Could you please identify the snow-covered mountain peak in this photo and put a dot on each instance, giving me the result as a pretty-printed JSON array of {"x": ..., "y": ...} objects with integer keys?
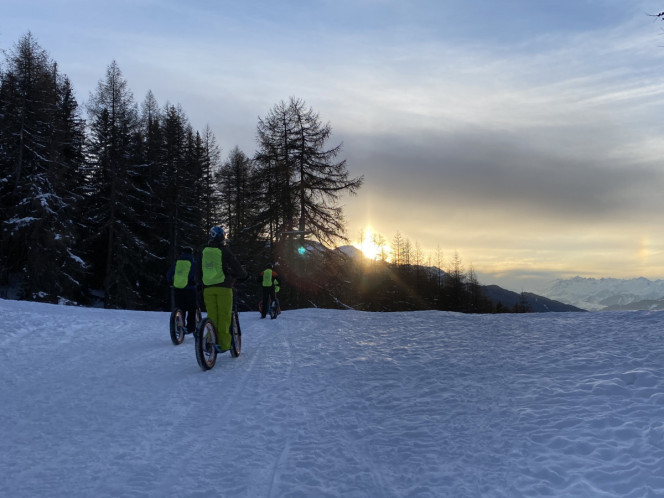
[{"x": 602, "y": 293}]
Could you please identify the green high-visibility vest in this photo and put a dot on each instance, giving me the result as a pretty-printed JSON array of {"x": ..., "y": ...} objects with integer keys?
[
  {"x": 276, "y": 285},
  {"x": 267, "y": 278},
  {"x": 181, "y": 275},
  {"x": 213, "y": 272}
]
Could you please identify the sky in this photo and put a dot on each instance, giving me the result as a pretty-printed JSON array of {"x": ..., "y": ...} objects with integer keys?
[
  {"x": 524, "y": 136},
  {"x": 332, "y": 403}
]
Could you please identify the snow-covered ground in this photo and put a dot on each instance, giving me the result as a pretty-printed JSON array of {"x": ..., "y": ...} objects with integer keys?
[{"x": 98, "y": 403}]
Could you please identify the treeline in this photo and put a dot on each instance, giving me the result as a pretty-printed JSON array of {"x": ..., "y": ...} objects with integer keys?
[
  {"x": 401, "y": 278},
  {"x": 97, "y": 200},
  {"x": 95, "y": 210}
]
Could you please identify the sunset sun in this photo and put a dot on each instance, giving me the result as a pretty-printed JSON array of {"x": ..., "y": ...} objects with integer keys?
[{"x": 368, "y": 245}]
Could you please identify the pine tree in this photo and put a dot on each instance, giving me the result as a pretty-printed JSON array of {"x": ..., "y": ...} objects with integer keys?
[
  {"x": 236, "y": 179},
  {"x": 182, "y": 170},
  {"x": 116, "y": 193},
  {"x": 210, "y": 196},
  {"x": 41, "y": 137}
]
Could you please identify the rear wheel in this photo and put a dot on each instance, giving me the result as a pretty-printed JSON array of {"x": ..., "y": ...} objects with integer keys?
[
  {"x": 236, "y": 336},
  {"x": 205, "y": 339},
  {"x": 178, "y": 329}
]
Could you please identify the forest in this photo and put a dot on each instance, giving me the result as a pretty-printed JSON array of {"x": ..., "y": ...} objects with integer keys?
[{"x": 97, "y": 200}]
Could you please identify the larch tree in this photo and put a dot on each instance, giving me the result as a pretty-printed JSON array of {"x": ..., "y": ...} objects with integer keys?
[{"x": 305, "y": 180}]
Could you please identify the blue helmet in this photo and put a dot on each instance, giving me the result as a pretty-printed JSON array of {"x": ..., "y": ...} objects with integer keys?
[{"x": 217, "y": 232}]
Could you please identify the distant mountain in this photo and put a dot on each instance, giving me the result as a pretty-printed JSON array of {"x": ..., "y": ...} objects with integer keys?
[
  {"x": 606, "y": 293},
  {"x": 350, "y": 252},
  {"x": 532, "y": 302}
]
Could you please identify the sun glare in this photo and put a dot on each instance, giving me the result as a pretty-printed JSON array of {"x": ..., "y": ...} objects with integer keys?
[{"x": 368, "y": 244}]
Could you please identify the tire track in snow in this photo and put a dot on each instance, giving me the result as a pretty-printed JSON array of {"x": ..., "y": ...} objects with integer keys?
[
  {"x": 278, "y": 343},
  {"x": 215, "y": 391}
]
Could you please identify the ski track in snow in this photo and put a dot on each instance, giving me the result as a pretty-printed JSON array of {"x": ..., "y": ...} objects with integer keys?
[{"x": 333, "y": 403}]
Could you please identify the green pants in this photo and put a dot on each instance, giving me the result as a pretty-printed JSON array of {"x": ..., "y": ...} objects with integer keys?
[{"x": 219, "y": 305}]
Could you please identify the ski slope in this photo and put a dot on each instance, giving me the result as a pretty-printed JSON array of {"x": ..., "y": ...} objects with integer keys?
[{"x": 326, "y": 403}]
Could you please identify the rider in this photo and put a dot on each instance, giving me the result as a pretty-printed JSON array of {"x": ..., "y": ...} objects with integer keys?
[
  {"x": 220, "y": 269},
  {"x": 183, "y": 277},
  {"x": 268, "y": 278}
]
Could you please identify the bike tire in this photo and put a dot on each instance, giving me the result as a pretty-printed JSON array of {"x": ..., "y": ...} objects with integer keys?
[
  {"x": 236, "y": 336},
  {"x": 274, "y": 310},
  {"x": 205, "y": 339},
  {"x": 178, "y": 329}
]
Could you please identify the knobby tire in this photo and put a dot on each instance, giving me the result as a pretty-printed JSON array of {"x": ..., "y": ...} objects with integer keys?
[
  {"x": 178, "y": 328},
  {"x": 205, "y": 338},
  {"x": 236, "y": 335}
]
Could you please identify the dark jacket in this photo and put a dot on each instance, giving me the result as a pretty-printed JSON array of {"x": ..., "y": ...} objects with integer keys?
[{"x": 194, "y": 272}]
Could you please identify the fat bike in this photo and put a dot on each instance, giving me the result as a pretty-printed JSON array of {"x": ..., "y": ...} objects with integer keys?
[
  {"x": 205, "y": 339},
  {"x": 178, "y": 326},
  {"x": 274, "y": 309}
]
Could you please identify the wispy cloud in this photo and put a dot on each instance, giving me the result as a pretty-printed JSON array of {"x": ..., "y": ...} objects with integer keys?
[{"x": 507, "y": 130}]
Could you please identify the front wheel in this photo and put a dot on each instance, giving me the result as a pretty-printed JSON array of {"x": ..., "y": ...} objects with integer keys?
[
  {"x": 178, "y": 329},
  {"x": 236, "y": 336},
  {"x": 205, "y": 339}
]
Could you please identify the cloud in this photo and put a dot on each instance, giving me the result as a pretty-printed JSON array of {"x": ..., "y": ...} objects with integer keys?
[{"x": 476, "y": 125}]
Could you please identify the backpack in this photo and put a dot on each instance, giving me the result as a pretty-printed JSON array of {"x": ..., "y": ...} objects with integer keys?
[
  {"x": 181, "y": 275},
  {"x": 267, "y": 278},
  {"x": 213, "y": 271}
]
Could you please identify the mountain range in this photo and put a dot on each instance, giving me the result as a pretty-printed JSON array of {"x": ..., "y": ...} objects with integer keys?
[
  {"x": 607, "y": 294},
  {"x": 576, "y": 294},
  {"x": 529, "y": 301}
]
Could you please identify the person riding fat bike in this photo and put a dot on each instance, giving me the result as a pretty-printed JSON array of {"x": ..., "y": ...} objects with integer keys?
[
  {"x": 220, "y": 269},
  {"x": 183, "y": 278},
  {"x": 268, "y": 278}
]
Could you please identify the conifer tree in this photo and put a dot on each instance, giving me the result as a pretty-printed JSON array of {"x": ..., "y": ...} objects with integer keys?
[
  {"x": 182, "y": 170},
  {"x": 304, "y": 179},
  {"x": 397, "y": 249},
  {"x": 236, "y": 179},
  {"x": 41, "y": 137},
  {"x": 210, "y": 201},
  {"x": 116, "y": 192}
]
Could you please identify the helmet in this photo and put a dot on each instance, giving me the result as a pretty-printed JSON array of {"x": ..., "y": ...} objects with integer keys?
[
  {"x": 269, "y": 266},
  {"x": 217, "y": 232},
  {"x": 187, "y": 250}
]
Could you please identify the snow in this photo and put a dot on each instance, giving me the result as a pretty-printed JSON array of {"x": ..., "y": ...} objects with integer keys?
[
  {"x": 326, "y": 403},
  {"x": 20, "y": 222}
]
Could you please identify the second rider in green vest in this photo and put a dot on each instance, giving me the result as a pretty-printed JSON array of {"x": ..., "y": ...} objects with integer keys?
[
  {"x": 268, "y": 278},
  {"x": 220, "y": 269}
]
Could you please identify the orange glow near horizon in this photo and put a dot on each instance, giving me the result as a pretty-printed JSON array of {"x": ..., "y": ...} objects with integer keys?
[{"x": 370, "y": 245}]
